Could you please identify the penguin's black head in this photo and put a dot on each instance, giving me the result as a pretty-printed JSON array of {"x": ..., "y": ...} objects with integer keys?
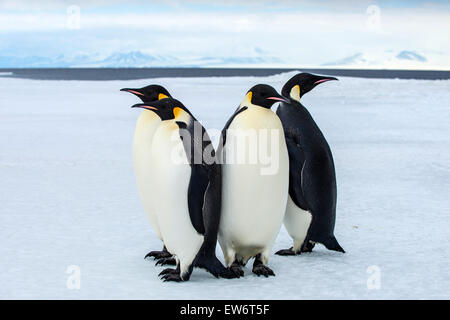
[
  {"x": 167, "y": 109},
  {"x": 302, "y": 83},
  {"x": 149, "y": 93},
  {"x": 264, "y": 95}
]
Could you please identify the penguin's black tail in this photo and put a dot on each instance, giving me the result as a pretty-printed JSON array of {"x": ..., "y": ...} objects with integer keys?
[
  {"x": 332, "y": 244},
  {"x": 213, "y": 266}
]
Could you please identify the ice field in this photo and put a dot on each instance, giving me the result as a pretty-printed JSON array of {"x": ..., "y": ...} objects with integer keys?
[{"x": 68, "y": 194}]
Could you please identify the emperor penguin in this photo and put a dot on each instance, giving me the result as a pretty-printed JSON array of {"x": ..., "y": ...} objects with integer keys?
[
  {"x": 146, "y": 126},
  {"x": 255, "y": 191},
  {"x": 187, "y": 190},
  {"x": 311, "y": 209}
]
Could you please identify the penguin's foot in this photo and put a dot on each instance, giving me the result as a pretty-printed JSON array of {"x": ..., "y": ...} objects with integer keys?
[
  {"x": 286, "y": 252},
  {"x": 166, "y": 261},
  {"x": 158, "y": 254},
  {"x": 211, "y": 264},
  {"x": 229, "y": 274},
  {"x": 308, "y": 247},
  {"x": 262, "y": 270},
  {"x": 175, "y": 277},
  {"x": 168, "y": 271},
  {"x": 240, "y": 262},
  {"x": 236, "y": 269}
]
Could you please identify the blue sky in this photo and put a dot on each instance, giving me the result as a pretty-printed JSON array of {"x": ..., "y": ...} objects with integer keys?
[{"x": 285, "y": 33}]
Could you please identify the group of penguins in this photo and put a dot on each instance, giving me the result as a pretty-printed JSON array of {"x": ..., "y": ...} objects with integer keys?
[{"x": 193, "y": 204}]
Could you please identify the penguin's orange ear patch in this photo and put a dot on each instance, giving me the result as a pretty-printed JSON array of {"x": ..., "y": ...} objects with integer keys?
[
  {"x": 177, "y": 111},
  {"x": 162, "y": 96},
  {"x": 247, "y": 99}
]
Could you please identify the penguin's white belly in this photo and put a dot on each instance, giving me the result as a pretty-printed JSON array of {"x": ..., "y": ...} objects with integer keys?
[
  {"x": 171, "y": 194},
  {"x": 254, "y": 199},
  {"x": 297, "y": 222},
  {"x": 142, "y": 145}
]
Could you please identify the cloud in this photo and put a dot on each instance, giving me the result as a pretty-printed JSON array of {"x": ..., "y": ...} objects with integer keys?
[
  {"x": 255, "y": 5},
  {"x": 392, "y": 21},
  {"x": 291, "y": 31},
  {"x": 43, "y": 5}
]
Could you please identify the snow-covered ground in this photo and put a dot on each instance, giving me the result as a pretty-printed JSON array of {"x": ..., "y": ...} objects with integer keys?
[{"x": 68, "y": 194}]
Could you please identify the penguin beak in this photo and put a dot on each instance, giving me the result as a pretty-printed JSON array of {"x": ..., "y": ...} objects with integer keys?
[
  {"x": 324, "y": 79},
  {"x": 133, "y": 91},
  {"x": 278, "y": 98},
  {"x": 145, "y": 106}
]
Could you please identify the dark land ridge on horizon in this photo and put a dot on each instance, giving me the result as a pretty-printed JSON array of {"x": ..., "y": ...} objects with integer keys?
[{"x": 103, "y": 74}]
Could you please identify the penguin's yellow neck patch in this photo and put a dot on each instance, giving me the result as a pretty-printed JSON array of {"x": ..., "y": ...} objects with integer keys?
[
  {"x": 181, "y": 115},
  {"x": 247, "y": 100},
  {"x": 177, "y": 112},
  {"x": 249, "y": 97},
  {"x": 295, "y": 93},
  {"x": 162, "y": 96}
]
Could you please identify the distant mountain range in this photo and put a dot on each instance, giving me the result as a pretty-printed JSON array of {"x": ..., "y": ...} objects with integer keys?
[
  {"x": 258, "y": 58},
  {"x": 134, "y": 59},
  {"x": 391, "y": 59}
]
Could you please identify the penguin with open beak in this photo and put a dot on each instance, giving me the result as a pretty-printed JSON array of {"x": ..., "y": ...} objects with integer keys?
[
  {"x": 311, "y": 209},
  {"x": 146, "y": 126},
  {"x": 255, "y": 190},
  {"x": 187, "y": 190}
]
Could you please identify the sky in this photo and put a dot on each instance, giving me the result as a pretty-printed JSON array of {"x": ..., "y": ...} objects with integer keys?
[{"x": 267, "y": 33}]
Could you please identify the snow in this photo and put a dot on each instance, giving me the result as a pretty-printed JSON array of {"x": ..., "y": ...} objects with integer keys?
[
  {"x": 68, "y": 194},
  {"x": 393, "y": 59}
]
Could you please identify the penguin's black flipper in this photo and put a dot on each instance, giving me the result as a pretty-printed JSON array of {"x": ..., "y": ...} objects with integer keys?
[
  {"x": 296, "y": 162},
  {"x": 206, "y": 257},
  {"x": 196, "y": 194},
  {"x": 199, "y": 173},
  {"x": 204, "y": 196}
]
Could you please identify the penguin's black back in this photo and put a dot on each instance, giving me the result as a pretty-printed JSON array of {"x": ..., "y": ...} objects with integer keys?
[
  {"x": 204, "y": 197},
  {"x": 312, "y": 177},
  {"x": 205, "y": 185}
]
